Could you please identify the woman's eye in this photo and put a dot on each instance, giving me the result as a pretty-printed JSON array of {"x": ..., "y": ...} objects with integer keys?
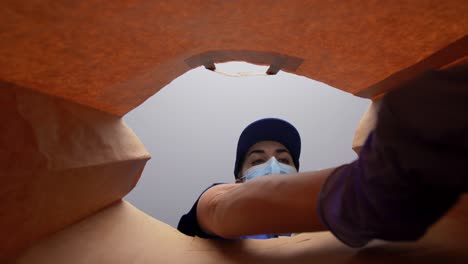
[
  {"x": 257, "y": 162},
  {"x": 285, "y": 161}
]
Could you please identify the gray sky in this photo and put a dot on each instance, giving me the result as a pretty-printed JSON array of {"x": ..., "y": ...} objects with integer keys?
[{"x": 192, "y": 125}]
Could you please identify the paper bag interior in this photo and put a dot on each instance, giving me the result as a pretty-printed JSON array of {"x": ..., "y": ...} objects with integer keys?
[{"x": 71, "y": 69}]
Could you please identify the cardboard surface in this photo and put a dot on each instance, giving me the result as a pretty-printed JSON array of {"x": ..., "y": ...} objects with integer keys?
[
  {"x": 366, "y": 125},
  {"x": 123, "y": 234},
  {"x": 113, "y": 55},
  {"x": 59, "y": 162}
]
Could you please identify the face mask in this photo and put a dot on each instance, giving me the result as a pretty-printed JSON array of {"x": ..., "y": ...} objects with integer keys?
[{"x": 272, "y": 166}]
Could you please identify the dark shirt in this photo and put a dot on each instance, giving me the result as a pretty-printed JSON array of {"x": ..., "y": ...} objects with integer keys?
[
  {"x": 188, "y": 223},
  {"x": 412, "y": 168}
]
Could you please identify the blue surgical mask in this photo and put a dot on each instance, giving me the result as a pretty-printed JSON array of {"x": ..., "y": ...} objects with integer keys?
[{"x": 272, "y": 166}]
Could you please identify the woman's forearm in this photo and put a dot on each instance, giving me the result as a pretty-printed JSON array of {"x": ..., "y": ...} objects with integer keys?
[{"x": 272, "y": 204}]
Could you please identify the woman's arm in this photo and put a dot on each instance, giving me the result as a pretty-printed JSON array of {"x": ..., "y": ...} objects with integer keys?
[{"x": 270, "y": 204}]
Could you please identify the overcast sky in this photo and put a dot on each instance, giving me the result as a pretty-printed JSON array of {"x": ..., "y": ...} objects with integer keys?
[{"x": 192, "y": 125}]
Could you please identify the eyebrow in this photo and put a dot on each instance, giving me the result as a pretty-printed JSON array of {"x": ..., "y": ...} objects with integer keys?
[{"x": 259, "y": 151}]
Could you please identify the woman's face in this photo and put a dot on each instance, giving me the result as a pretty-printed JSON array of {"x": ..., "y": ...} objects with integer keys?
[{"x": 262, "y": 151}]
